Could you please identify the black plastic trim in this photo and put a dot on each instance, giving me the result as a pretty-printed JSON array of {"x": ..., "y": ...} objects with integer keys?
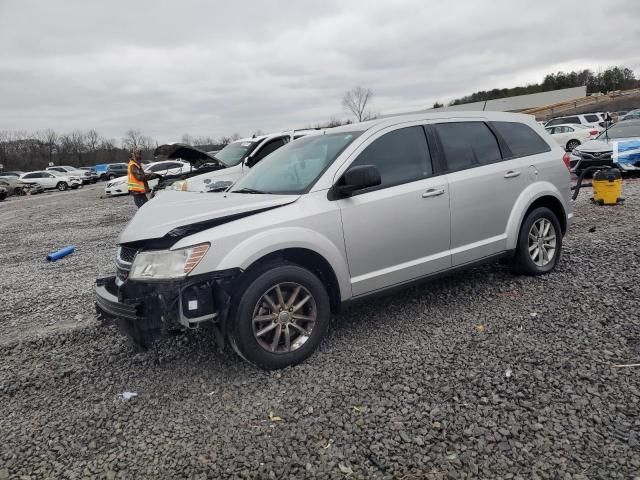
[
  {"x": 109, "y": 303},
  {"x": 426, "y": 278}
]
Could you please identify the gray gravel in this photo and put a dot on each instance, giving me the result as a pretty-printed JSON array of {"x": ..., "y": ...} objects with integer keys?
[{"x": 480, "y": 375}]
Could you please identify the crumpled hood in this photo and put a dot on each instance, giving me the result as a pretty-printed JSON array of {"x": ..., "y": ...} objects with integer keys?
[{"x": 172, "y": 210}]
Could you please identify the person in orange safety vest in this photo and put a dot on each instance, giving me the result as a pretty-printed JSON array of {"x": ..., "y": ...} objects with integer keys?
[{"x": 138, "y": 179}]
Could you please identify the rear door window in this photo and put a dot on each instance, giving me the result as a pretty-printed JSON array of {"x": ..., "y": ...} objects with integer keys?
[
  {"x": 591, "y": 118},
  {"x": 401, "y": 156},
  {"x": 521, "y": 139},
  {"x": 467, "y": 144},
  {"x": 160, "y": 167}
]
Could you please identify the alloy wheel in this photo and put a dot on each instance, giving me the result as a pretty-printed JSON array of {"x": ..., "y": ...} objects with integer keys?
[
  {"x": 284, "y": 317},
  {"x": 542, "y": 242}
]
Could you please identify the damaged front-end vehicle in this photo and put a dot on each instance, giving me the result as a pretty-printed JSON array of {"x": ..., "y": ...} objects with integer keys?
[
  {"x": 201, "y": 162},
  {"x": 151, "y": 294},
  {"x": 160, "y": 285}
]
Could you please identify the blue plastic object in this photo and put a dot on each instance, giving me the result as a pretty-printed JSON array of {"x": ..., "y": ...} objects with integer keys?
[{"x": 63, "y": 252}]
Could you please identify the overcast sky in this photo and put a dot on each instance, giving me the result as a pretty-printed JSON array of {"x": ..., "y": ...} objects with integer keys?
[{"x": 217, "y": 67}]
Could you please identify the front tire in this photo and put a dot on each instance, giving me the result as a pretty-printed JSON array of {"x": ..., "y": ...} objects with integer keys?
[
  {"x": 62, "y": 186},
  {"x": 539, "y": 243},
  {"x": 280, "y": 316}
]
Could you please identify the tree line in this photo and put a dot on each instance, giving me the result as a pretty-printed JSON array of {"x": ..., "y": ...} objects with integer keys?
[
  {"x": 613, "y": 78},
  {"x": 33, "y": 151}
]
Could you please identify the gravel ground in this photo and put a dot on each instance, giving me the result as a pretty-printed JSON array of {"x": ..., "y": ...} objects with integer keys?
[{"x": 480, "y": 375}]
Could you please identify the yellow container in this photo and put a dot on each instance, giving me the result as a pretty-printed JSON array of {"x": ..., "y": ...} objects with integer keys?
[{"x": 607, "y": 186}]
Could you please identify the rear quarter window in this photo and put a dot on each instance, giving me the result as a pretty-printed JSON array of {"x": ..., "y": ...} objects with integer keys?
[
  {"x": 561, "y": 120},
  {"x": 521, "y": 139}
]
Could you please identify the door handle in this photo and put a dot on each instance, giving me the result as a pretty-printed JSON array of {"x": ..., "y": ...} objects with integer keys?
[
  {"x": 511, "y": 174},
  {"x": 433, "y": 192}
]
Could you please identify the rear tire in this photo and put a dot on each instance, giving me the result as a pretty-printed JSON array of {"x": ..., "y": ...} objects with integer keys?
[
  {"x": 571, "y": 144},
  {"x": 62, "y": 186},
  {"x": 111, "y": 177},
  {"x": 293, "y": 326},
  {"x": 539, "y": 243}
]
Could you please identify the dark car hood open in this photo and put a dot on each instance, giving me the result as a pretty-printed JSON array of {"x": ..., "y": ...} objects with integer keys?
[
  {"x": 174, "y": 215},
  {"x": 193, "y": 155}
]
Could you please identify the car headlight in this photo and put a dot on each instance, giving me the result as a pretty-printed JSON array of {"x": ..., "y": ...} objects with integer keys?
[
  {"x": 167, "y": 264},
  {"x": 179, "y": 185}
]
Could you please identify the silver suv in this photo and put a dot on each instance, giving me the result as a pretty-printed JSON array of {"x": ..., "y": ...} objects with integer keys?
[{"x": 336, "y": 217}]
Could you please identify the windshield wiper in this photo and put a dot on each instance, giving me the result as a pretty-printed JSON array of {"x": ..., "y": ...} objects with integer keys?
[
  {"x": 249, "y": 190},
  {"x": 220, "y": 188}
]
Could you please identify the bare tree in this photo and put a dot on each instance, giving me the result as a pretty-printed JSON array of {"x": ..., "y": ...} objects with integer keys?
[
  {"x": 131, "y": 140},
  {"x": 146, "y": 144},
  {"x": 187, "y": 139},
  {"x": 356, "y": 100}
]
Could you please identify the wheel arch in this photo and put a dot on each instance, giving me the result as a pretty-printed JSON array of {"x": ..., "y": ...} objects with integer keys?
[
  {"x": 310, "y": 260},
  {"x": 566, "y": 145},
  {"x": 535, "y": 196},
  {"x": 304, "y": 247}
]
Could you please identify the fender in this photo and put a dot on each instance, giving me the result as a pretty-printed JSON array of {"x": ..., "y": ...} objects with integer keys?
[
  {"x": 261, "y": 244},
  {"x": 527, "y": 197}
]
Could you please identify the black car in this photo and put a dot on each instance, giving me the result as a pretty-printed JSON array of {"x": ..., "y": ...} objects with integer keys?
[{"x": 114, "y": 170}]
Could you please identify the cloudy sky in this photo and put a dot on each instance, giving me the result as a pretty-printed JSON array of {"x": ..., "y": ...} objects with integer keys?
[{"x": 216, "y": 67}]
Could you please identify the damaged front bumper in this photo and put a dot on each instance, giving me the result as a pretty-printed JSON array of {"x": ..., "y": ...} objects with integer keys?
[{"x": 145, "y": 310}]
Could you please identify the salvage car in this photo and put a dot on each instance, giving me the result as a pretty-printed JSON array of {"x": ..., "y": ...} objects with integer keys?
[
  {"x": 570, "y": 136},
  {"x": 76, "y": 172},
  {"x": 15, "y": 186},
  {"x": 52, "y": 179},
  {"x": 599, "y": 151},
  {"x": 592, "y": 120},
  {"x": 111, "y": 171},
  {"x": 119, "y": 186},
  {"x": 93, "y": 176},
  {"x": 200, "y": 162},
  {"x": 236, "y": 159},
  {"x": 317, "y": 224}
]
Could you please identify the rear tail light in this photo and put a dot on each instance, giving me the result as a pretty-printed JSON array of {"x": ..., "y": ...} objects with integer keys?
[
  {"x": 593, "y": 132},
  {"x": 566, "y": 158}
]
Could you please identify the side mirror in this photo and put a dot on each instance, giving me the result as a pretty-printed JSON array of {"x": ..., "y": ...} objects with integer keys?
[{"x": 358, "y": 178}]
